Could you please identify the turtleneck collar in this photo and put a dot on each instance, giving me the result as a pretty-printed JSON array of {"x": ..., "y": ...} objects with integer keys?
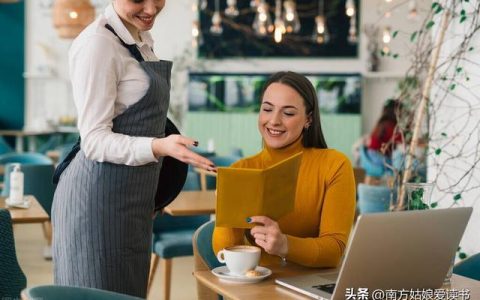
[{"x": 271, "y": 156}]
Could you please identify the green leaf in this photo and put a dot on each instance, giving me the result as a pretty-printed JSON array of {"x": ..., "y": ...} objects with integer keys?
[
  {"x": 463, "y": 12},
  {"x": 457, "y": 197},
  {"x": 443, "y": 78},
  {"x": 435, "y": 5},
  {"x": 443, "y": 134},
  {"x": 413, "y": 36},
  {"x": 470, "y": 49},
  {"x": 434, "y": 204},
  {"x": 382, "y": 53},
  {"x": 394, "y": 34},
  {"x": 395, "y": 55},
  {"x": 467, "y": 78},
  {"x": 459, "y": 69},
  {"x": 453, "y": 86},
  {"x": 462, "y": 19},
  {"x": 430, "y": 24},
  {"x": 438, "y": 151},
  {"x": 462, "y": 255}
]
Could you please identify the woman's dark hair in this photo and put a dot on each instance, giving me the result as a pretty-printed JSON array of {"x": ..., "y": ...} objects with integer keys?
[{"x": 313, "y": 135}]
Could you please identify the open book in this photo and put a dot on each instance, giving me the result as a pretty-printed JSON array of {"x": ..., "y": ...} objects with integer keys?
[{"x": 243, "y": 192}]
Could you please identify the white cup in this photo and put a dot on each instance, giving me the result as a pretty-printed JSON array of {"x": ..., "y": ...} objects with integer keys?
[{"x": 240, "y": 259}]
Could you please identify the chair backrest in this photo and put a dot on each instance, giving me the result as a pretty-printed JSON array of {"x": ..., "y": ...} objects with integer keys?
[
  {"x": 469, "y": 267},
  {"x": 220, "y": 161},
  {"x": 202, "y": 245},
  {"x": 4, "y": 147},
  {"x": 54, "y": 292},
  {"x": 9, "y": 267},
  {"x": 373, "y": 198},
  {"x": 372, "y": 167},
  {"x": 25, "y": 158},
  {"x": 37, "y": 182}
]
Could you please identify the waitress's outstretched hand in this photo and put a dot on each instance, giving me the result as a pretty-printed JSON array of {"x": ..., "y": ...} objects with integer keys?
[{"x": 177, "y": 146}]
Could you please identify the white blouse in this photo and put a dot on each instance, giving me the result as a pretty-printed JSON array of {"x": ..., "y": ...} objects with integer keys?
[{"x": 106, "y": 80}]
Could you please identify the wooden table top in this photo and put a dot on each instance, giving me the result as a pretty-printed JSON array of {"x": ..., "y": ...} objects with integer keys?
[
  {"x": 190, "y": 203},
  {"x": 267, "y": 289},
  {"x": 34, "y": 214}
]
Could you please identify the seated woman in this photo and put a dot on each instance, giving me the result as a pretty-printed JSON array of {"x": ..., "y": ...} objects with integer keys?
[
  {"x": 316, "y": 232},
  {"x": 381, "y": 143}
]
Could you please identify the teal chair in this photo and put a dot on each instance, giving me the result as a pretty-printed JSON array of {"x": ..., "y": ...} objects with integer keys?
[
  {"x": 12, "y": 279},
  {"x": 373, "y": 198},
  {"x": 172, "y": 237},
  {"x": 4, "y": 147},
  {"x": 372, "y": 163},
  {"x": 58, "y": 292},
  {"x": 469, "y": 267},
  {"x": 37, "y": 182},
  {"x": 205, "y": 258},
  {"x": 219, "y": 161},
  {"x": 25, "y": 158}
]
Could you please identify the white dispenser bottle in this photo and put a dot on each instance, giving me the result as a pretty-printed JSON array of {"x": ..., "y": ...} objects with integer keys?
[{"x": 16, "y": 185}]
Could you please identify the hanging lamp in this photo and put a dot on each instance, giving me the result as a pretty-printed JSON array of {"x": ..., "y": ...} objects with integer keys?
[{"x": 70, "y": 17}]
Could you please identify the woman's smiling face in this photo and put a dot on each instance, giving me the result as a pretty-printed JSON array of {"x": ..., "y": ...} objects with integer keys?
[
  {"x": 282, "y": 116},
  {"x": 138, "y": 14}
]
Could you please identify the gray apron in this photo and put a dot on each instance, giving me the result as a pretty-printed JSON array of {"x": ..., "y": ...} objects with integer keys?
[{"x": 102, "y": 212}]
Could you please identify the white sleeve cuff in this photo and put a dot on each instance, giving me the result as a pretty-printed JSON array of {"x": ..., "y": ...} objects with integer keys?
[{"x": 143, "y": 151}]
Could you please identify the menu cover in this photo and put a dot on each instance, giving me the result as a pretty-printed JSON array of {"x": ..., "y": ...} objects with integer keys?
[{"x": 244, "y": 192}]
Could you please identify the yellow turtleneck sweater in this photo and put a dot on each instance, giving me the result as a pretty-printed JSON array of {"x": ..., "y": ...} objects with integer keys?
[{"x": 318, "y": 228}]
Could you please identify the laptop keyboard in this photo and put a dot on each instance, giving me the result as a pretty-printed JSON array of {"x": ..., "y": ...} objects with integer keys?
[{"x": 325, "y": 287}]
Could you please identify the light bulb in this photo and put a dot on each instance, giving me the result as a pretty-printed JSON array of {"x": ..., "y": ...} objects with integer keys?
[
  {"x": 320, "y": 34},
  {"x": 262, "y": 22},
  {"x": 352, "y": 31},
  {"x": 290, "y": 17},
  {"x": 73, "y": 14},
  {"x": 386, "y": 36},
  {"x": 216, "y": 27},
  {"x": 231, "y": 10},
  {"x": 350, "y": 8}
]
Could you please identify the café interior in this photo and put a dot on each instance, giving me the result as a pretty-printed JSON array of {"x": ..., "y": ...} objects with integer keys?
[{"x": 359, "y": 55}]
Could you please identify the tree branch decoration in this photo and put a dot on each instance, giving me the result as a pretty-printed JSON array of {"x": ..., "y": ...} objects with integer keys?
[{"x": 441, "y": 68}]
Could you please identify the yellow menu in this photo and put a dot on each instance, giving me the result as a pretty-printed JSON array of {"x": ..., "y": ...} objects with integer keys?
[{"x": 243, "y": 193}]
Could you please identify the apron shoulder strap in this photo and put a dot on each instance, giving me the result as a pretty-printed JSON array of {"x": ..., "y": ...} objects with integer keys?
[{"x": 131, "y": 48}]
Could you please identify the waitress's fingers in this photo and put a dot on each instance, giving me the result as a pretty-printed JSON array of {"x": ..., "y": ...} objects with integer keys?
[
  {"x": 199, "y": 161},
  {"x": 189, "y": 142}
]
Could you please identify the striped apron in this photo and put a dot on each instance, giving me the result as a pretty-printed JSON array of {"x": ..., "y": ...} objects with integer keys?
[{"x": 102, "y": 212}]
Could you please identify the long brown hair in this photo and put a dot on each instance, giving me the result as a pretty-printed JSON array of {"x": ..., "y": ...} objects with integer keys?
[{"x": 313, "y": 135}]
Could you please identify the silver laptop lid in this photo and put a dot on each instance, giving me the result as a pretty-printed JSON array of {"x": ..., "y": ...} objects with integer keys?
[
  {"x": 394, "y": 250},
  {"x": 402, "y": 250}
]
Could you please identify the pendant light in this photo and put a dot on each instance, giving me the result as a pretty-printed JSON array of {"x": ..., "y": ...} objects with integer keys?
[
  {"x": 279, "y": 30},
  {"x": 262, "y": 24},
  {"x": 70, "y": 17},
  {"x": 216, "y": 27},
  {"x": 290, "y": 17},
  {"x": 231, "y": 10},
  {"x": 320, "y": 32},
  {"x": 350, "y": 8}
]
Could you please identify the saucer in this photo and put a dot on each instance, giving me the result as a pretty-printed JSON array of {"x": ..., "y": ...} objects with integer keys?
[
  {"x": 24, "y": 204},
  {"x": 224, "y": 274}
]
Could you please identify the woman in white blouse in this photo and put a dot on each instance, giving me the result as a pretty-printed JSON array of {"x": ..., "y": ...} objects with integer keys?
[{"x": 105, "y": 196}]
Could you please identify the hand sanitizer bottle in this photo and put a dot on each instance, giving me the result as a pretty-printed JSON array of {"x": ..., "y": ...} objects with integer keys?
[{"x": 16, "y": 185}]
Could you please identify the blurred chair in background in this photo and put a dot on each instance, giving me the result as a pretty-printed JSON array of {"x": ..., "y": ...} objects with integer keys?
[
  {"x": 208, "y": 180},
  {"x": 38, "y": 171},
  {"x": 469, "y": 267},
  {"x": 172, "y": 237},
  {"x": 204, "y": 258},
  {"x": 12, "y": 279},
  {"x": 4, "y": 147},
  {"x": 373, "y": 198},
  {"x": 57, "y": 292}
]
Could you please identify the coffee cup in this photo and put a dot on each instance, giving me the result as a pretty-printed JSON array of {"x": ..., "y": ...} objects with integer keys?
[{"x": 240, "y": 259}]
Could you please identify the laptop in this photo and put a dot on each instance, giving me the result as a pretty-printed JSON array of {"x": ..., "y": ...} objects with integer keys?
[{"x": 391, "y": 251}]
